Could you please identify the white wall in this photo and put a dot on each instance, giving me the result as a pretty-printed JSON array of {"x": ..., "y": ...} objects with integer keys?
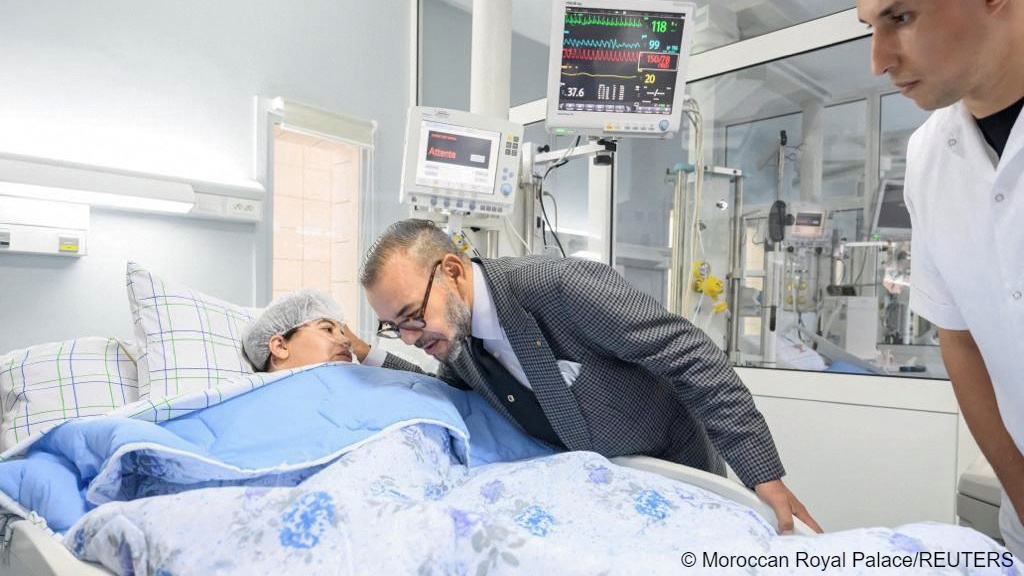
[
  {"x": 866, "y": 450},
  {"x": 169, "y": 87},
  {"x": 48, "y": 298}
]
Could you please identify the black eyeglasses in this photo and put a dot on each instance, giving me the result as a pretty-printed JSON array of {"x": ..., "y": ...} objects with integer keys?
[{"x": 412, "y": 322}]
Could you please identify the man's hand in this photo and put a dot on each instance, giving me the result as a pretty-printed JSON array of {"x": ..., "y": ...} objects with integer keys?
[
  {"x": 775, "y": 494},
  {"x": 359, "y": 347}
]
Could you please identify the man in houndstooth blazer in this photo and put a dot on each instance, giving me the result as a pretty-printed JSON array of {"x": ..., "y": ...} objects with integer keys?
[{"x": 646, "y": 381}]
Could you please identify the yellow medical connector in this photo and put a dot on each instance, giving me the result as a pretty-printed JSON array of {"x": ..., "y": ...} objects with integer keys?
[
  {"x": 708, "y": 285},
  {"x": 461, "y": 241}
]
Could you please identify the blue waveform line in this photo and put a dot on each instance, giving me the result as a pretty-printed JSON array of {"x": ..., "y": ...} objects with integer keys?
[{"x": 608, "y": 44}]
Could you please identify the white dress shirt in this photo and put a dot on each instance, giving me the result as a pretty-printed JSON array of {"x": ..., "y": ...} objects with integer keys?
[{"x": 486, "y": 327}]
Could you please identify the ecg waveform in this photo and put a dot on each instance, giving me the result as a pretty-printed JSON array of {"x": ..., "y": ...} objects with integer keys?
[
  {"x": 625, "y": 77},
  {"x": 612, "y": 43},
  {"x": 577, "y": 19},
  {"x": 599, "y": 55}
]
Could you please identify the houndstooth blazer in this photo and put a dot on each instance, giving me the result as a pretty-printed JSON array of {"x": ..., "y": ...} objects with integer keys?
[{"x": 650, "y": 382}]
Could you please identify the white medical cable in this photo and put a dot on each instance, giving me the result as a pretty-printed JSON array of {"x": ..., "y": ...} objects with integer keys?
[
  {"x": 827, "y": 326},
  {"x": 697, "y": 120},
  {"x": 540, "y": 191},
  {"x": 707, "y": 321},
  {"x": 554, "y": 202},
  {"x": 510, "y": 227}
]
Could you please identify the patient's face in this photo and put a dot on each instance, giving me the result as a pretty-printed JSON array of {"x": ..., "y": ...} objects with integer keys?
[{"x": 313, "y": 343}]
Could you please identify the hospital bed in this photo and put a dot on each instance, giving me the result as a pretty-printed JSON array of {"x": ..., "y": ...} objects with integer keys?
[
  {"x": 978, "y": 498},
  {"x": 33, "y": 551}
]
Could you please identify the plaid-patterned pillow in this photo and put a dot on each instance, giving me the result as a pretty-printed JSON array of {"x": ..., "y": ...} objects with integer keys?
[
  {"x": 44, "y": 385},
  {"x": 191, "y": 341}
]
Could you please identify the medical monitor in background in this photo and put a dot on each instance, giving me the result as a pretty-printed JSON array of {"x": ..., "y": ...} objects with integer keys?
[
  {"x": 618, "y": 67},
  {"x": 809, "y": 223},
  {"x": 892, "y": 220},
  {"x": 460, "y": 162}
]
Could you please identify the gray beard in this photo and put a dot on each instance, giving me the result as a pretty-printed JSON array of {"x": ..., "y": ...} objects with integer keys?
[{"x": 460, "y": 318}]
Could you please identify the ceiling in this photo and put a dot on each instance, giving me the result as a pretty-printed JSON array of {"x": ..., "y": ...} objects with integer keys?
[
  {"x": 833, "y": 74},
  {"x": 532, "y": 18}
]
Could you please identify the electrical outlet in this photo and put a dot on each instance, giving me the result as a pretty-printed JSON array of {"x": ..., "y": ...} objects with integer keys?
[{"x": 244, "y": 208}]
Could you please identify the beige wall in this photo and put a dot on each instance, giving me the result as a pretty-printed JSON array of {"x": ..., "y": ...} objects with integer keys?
[{"x": 316, "y": 217}]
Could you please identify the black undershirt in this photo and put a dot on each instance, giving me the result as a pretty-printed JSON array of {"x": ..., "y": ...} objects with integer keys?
[{"x": 997, "y": 127}]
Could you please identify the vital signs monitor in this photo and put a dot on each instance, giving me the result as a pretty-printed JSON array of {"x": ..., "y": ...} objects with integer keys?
[
  {"x": 460, "y": 162},
  {"x": 618, "y": 68},
  {"x": 892, "y": 218}
]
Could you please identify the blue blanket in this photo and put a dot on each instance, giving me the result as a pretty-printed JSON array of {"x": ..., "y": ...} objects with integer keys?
[{"x": 276, "y": 435}]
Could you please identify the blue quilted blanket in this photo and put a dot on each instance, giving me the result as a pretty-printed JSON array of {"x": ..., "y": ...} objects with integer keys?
[{"x": 275, "y": 435}]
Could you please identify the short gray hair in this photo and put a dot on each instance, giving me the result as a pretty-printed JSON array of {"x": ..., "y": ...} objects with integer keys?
[{"x": 420, "y": 239}]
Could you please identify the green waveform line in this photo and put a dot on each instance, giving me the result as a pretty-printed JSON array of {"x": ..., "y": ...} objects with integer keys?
[
  {"x": 597, "y": 75},
  {"x": 595, "y": 20}
]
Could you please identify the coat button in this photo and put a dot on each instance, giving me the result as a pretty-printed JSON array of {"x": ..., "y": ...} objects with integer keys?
[
  {"x": 1000, "y": 197},
  {"x": 1017, "y": 295},
  {"x": 952, "y": 142},
  {"x": 510, "y": 398},
  {"x": 539, "y": 343}
]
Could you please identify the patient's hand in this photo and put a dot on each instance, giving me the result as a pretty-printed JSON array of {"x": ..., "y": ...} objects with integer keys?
[
  {"x": 775, "y": 494},
  {"x": 359, "y": 347}
]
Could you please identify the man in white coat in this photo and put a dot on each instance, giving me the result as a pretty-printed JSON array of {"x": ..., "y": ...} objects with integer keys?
[{"x": 964, "y": 59}]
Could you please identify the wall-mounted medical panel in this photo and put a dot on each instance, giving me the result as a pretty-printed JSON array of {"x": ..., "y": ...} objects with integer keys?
[{"x": 43, "y": 227}]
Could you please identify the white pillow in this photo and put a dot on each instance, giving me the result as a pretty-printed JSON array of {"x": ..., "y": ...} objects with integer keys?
[
  {"x": 42, "y": 386},
  {"x": 190, "y": 341}
]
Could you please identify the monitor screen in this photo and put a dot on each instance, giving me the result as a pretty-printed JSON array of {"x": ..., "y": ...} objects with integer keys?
[
  {"x": 812, "y": 219},
  {"x": 620, "y": 60},
  {"x": 616, "y": 71},
  {"x": 808, "y": 223},
  {"x": 457, "y": 157},
  {"x": 892, "y": 214}
]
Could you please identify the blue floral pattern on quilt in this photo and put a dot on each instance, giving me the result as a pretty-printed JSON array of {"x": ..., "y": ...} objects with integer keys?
[{"x": 403, "y": 504}]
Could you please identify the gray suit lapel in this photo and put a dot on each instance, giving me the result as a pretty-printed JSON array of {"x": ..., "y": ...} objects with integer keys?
[{"x": 538, "y": 362}]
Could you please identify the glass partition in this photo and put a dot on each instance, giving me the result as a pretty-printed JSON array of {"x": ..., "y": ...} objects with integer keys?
[
  {"x": 722, "y": 23},
  {"x": 899, "y": 118},
  {"x": 816, "y": 130},
  {"x": 834, "y": 289}
]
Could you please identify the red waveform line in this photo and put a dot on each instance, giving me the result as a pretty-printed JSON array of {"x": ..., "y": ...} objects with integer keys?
[{"x": 599, "y": 55}]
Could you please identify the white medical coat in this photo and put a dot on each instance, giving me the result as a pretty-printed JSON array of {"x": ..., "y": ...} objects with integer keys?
[{"x": 967, "y": 256}]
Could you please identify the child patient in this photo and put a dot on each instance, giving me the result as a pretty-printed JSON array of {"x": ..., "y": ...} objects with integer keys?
[{"x": 297, "y": 329}]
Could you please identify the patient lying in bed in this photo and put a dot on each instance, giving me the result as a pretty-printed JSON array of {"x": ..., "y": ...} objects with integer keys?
[
  {"x": 298, "y": 329},
  {"x": 347, "y": 469}
]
